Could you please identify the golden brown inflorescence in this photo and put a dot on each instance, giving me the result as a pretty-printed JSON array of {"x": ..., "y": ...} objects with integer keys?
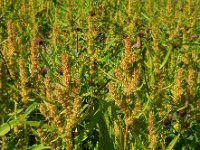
[
  {"x": 178, "y": 89},
  {"x": 33, "y": 57},
  {"x": 23, "y": 81},
  {"x": 129, "y": 78},
  {"x": 129, "y": 56},
  {"x": 10, "y": 51},
  {"x": 51, "y": 104},
  {"x": 152, "y": 137},
  {"x": 191, "y": 81},
  {"x": 66, "y": 71},
  {"x": 91, "y": 34}
]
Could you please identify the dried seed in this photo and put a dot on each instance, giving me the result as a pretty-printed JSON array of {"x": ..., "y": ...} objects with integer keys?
[
  {"x": 92, "y": 13},
  {"x": 43, "y": 71},
  {"x": 77, "y": 29},
  {"x": 40, "y": 41},
  {"x": 175, "y": 45},
  {"x": 182, "y": 113},
  {"x": 168, "y": 120},
  {"x": 198, "y": 118},
  {"x": 185, "y": 124},
  {"x": 141, "y": 34}
]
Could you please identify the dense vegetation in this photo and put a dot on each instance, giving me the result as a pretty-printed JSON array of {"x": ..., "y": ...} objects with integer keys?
[{"x": 104, "y": 74}]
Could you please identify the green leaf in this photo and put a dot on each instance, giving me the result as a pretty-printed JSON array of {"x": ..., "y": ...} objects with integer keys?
[
  {"x": 92, "y": 123},
  {"x": 82, "y": 72},
  {"x": 88, "y": 94},
  {"x": 31, "y": 108},
  {"x": 49, "y": 128},
  {"x": 33, "y": 123},
  {"x": 105, "y": 58},
  {"x": 54, "y": 1},
  {"x": 146, "y": 106},
  {"x": 13, "y": 87},
  {"x": 173, "y": 142},
  {"x": 45, "y": 60},
  {"x": 6, "y": 127},
  {"x": 108, "y": 45},
  {"x": 145, "y": 16},
  {"x": 166, "y": 58},
  {"x": 39, "y": 147},
  {"x": 18, "y": 111},
  {"x": 138, "y": 141},
  {"x": 105, "y": 141}
]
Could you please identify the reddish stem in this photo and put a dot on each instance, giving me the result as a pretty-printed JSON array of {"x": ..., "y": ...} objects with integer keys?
[{"x": 125, "y": 134}]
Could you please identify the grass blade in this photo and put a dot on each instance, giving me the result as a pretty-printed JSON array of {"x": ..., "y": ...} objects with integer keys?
[{"x": 173, "y": 142}]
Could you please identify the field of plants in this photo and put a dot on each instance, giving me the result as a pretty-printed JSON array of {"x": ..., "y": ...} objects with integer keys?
[{"x": 99, "y": 75}]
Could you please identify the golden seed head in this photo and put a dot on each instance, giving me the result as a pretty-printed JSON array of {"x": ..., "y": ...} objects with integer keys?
[
  {"x": 117, "y": 131},
  {"x": 113, "y": 93},
  {"x": 129, "y": 57},
  {"x": 152, "y": 137},
  {"x": 129, "y": 120},
  {"x": 48, "y": 88},
  {"x": 169, "y": 6},
  {"x": 191, "y": 80},
  {"x": 11, "y": 52},
  {"x": 178, "y": 89},
  {"x": 43, "y": 109},
  {"x": 23, "y": 81},
  {"x": 66, "y": 71},
  {"x": 137, "y": 108},
  {"x": 76, "y": 109},
  {"x": 33, "y": 57}
]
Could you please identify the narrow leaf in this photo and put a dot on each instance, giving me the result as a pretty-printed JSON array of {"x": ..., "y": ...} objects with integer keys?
[
  {"x": 31, "y": 108},
  {"x": 173, "y": 142},
  {"x": 166, "y": 58},
  {"x": 138, "y": 141},
  {"x": 39, "y": 147},
  {"x": 33, "y": 123}
]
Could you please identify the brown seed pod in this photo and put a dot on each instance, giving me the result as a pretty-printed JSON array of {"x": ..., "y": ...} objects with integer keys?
[
  {"x": 185, "y": 124},
  {"x": 40, "y": 41},
  {"x": 92, "y": 13},
  {"x": 28, "y": 84},
  {"x": 162, "y": 48},
  {"x": 43, "y": 71},
  {"x": 182, "y": 112},
  {"x": 91, "y": 82},
  {"x": 124, "y": 35},
  {"x": 60, "y": 70},
  {"x": 167, "y": 120},
  {"x": 138, "y": 22},
  {"x": 77, "y": 29},
  {"x": 141, "y": 34},
  {"x": 175, "y": 45},
  {"x": 77, "y": 82},
  {"x": 47, "y": 34},
  {"x": 100, "y": 37},
  {"x": 198, "y": 118}
]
